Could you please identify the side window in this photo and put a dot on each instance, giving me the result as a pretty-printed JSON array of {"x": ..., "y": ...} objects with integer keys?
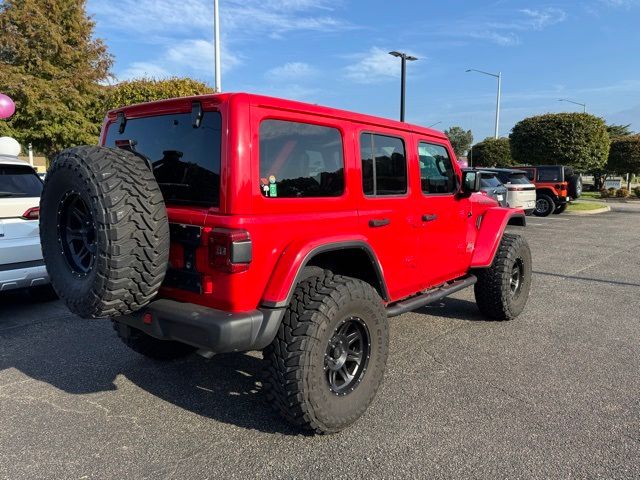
[
  {"x": 300, "y": 160},
  {"x": 437, "y": 174},
  {"x": 384, "y": 165},
  {"x": 530, "y": 174}
]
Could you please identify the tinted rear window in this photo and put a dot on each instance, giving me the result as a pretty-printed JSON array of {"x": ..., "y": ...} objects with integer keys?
[
  {"x": 519, "y": 178},
  {"x": 300, "y": 160},
  {"x": 19, "y": 181},
  {"x": 550, "y": 174},
  {"x": 384, "y": 165},
  {"x": 489, "y": 180},
  {"x": 186, "y": 160}
]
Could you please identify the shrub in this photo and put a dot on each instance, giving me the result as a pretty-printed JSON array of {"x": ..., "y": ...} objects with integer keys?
[
  {"x": 491, "y": 152},
  {"x": 622, "y": 193},
  {"x": 604, "y": 193},
  {"x": 636, "y": 191},
  {"x": 624, "y": 156},
  {"x": 577, "y": 139}
]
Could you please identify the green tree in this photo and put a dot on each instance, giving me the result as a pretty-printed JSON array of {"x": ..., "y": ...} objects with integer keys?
[
  {"x": 147, "y": 90},
  {"x": 619, "y": 130},
  {"x": 577, "y": 139},
  {"x": 491, "y": 152},
  {"x": 460, "y": 139},
  {"x": 52, "y": 66},
  {"x": 624, "y": 156}
]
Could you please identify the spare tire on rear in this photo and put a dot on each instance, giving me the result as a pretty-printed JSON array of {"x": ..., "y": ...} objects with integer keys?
[
  {"x": 104, "y": 231},
  {"x": 575, "y": 185}
]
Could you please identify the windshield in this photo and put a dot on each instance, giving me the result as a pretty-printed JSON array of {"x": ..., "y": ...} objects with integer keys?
[
  {"x": 489, "y": 180},
  {"x": 19, "y": 181},
  {"x": 186, "y": 160}
]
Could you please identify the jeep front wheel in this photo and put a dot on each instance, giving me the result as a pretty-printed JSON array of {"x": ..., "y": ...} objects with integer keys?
[
  {"x": 502, "y": 289},
  {"x": 324, "y": 367},
  {"x": 104, "y": 231}
]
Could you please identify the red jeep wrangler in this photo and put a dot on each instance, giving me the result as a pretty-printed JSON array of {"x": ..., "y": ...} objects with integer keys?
[{"x": 236, "y": 222}]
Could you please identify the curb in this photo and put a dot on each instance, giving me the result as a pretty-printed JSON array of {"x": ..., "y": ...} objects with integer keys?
[{"x": 590, "y": 212}]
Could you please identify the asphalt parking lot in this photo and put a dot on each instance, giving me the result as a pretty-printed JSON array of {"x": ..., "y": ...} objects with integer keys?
[{"x": 554, "y": 393}]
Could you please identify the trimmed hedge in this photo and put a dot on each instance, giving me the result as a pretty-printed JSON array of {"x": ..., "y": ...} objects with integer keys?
[
  {"x": 624, "y": 156},
  {"x": 577, "y": 139},
  {"x": 491, "y": 152}
]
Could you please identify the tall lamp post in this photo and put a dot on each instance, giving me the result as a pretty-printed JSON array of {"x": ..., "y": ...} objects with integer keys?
[
  {"x": 404, "y": 58},
  {"x": 499, "y": 77},
  {"x": 583, "y": 105},
  {"x": 216, "y": 47}
]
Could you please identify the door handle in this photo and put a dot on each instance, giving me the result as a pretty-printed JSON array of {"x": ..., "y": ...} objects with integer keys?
[
  {"x": 379, "y": 222},
  {"x": 429, "y": 217}
]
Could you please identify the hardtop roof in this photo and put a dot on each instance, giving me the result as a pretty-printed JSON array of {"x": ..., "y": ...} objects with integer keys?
[{"x": 160, "y": 106}]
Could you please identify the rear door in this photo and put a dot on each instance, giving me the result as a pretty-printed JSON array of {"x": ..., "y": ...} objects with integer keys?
[
  {"x": 445, "y": 250},
  {"x": 386, "y": 216}
]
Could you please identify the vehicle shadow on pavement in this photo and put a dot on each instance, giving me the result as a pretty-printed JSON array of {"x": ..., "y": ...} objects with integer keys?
[
  {"x": 454, "y": 308},
  {"x": 83, "y": 357},
  {"x": 225, "y": 388}
]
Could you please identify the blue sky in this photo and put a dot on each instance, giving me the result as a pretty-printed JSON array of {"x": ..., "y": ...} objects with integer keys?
[{"x": 334, "y": 52}]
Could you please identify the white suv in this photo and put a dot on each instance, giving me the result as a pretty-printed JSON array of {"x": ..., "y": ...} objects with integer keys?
[
  {"x": 521, "y": 193},
  {"x": 21, "y": 263}
]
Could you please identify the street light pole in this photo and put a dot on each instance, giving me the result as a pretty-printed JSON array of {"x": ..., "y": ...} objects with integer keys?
[
  {"x": 216, "y": 34},
  {"x": 498, "y": 105},
  {"x": 403, "y": 80},
  {"x": 583, "y": 105},
  {"x": 499, "y": 77}
]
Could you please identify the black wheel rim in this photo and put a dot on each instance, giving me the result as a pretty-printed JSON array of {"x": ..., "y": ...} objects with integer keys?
[
  {"x": 77, "y": 233},
  {"x": 347, "y": 356},
  {"x": 517, "y": 277},
  {"x": 542, "y": 205}
]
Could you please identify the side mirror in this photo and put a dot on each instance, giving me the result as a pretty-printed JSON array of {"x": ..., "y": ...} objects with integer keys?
[{"x": 470, "y": 182}]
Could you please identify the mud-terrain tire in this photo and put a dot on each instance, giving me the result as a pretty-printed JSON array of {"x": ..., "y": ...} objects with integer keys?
[
  {"x": 140, "y": 342},
  {"x": 575, "y": 185},
  {"x": 302, "y": 381},
  {"x": 544, "y": 205},
  {"x": 104, "y": 231},
  {"x": 502, "y": 289},
  {"x": 560, "y": 208}
]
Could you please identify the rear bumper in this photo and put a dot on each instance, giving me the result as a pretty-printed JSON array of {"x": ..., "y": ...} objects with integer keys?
[
  {"x": 23, "y": 275},
  {"x": 216, "y": 330}
]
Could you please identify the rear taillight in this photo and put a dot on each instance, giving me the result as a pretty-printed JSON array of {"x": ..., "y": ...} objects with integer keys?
[
  {"x": 32, "y": 214},
  {"x": 230, "y": 250}
]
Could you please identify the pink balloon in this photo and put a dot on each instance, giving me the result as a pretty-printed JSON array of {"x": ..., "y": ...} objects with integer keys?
[{"x": 7, "y": 107}]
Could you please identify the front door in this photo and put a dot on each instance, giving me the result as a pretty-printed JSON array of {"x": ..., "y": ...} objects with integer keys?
[{"x": 445, "y": 250}]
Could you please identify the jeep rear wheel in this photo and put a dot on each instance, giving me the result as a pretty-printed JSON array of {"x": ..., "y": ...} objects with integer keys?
[
  {"x": 104, "y": 231},
  {"x": 502, "y": 289},
  {"x": 324, "y": 367},
  {"x": 544, "y": 205},
  {"x": 151, "y": 347}
]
